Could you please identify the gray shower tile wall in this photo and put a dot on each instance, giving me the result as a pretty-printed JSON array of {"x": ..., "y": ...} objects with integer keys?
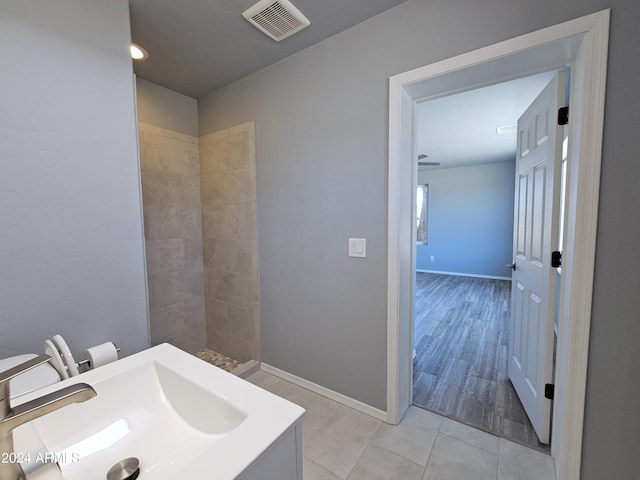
[
  {"x": 170, "y": 171},
  {"x": 225, "y": 222},
  {"x": 229, "y": 232},
  {"x": 228, "y": 255}
]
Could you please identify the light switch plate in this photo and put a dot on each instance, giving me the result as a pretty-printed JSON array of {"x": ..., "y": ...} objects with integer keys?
[{"x": 358, "y": 247}]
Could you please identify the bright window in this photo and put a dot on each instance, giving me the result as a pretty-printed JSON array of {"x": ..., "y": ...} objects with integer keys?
[
  {"x": 563, "y": 189},
  {"x": 422, "y": 198}
]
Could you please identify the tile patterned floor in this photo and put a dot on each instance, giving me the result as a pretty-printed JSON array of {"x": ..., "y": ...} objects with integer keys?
[
  {"x": 340, "y": 443},
  {"x": 217, "y": 359}
]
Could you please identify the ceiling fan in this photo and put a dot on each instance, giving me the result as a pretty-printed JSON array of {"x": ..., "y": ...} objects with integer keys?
[{"x": 426, "y": 164}]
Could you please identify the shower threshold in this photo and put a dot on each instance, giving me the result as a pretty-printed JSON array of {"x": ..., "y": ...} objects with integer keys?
[{"x": 239, "y": 369}]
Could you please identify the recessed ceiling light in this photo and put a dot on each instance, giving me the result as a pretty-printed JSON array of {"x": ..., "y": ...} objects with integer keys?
[
  {"x": 507, "y": 129},
  {"x": 138, "y": 53}
]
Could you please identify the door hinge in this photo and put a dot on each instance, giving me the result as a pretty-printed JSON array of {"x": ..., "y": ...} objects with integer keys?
[
  {"x": 556, "y": 259},
  {"x": 549, "y": 390},
  {"x": 563, "y": 116}
]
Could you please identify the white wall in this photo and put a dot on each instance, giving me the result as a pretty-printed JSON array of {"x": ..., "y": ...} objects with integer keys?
[{"x": 71, "y": 242}]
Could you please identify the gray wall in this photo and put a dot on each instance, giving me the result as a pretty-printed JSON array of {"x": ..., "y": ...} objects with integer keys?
[
  {"x": 165, "y": 108},
  {"x": 71, "y": 251},
  {"x": 470, "y": 220},
  {"x": 321, "y": 137}
]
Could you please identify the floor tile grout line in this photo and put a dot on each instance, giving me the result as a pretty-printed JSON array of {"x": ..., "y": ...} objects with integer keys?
[
  {"x": 426, "y": 465},
  {"x": 470, "y": 444},
  {"x": 361, "y": 454},
  {"x": 485, "y": 430},
  {"x": 500, "y": 441},
  {"x": 370, "y": 442},
  {"x": 507, "y": 451}
]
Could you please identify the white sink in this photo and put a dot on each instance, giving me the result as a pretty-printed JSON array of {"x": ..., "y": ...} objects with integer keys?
[{"x": 181, "y": 417}]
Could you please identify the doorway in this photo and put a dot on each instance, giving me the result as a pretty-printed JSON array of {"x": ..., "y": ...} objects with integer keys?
[
  {"x": 582, "y": 44},
  {"x": 462, "y": 305}
]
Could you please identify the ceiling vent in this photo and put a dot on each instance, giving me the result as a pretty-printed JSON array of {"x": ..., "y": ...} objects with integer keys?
[{"x": 278, "y": 20}]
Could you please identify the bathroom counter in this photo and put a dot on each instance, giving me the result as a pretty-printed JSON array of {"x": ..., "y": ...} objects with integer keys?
[{"x": 181, "y": 417}]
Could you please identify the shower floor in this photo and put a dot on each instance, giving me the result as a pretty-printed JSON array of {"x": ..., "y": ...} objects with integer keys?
[{"x": 217, "y": 359}]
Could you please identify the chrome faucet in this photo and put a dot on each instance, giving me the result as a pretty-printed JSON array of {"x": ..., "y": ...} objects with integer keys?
[{"x": 11, "y": 418}]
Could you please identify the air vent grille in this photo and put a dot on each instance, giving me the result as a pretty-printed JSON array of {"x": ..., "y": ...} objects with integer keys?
[{"x": 278, "y": 20}]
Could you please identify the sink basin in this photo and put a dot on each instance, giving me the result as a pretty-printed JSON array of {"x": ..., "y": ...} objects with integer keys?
[{"x": 181, "y": 417}]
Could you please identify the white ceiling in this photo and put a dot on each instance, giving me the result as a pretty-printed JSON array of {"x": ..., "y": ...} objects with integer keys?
[
  {"x": 198, "y": 46},
  {"x": 460, "y": 129}
]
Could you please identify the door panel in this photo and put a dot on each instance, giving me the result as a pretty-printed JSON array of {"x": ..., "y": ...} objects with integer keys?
[
  {"x": 518, "y": 343},
  {"x": 525, "y": 140},
  {"x": 537, "y": 214},
  {"x": 521, "y": 210},
  {"x": 536, "y": 208}
]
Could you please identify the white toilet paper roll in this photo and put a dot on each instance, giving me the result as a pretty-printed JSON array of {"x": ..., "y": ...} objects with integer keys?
[{"x": 100, "y": 355}]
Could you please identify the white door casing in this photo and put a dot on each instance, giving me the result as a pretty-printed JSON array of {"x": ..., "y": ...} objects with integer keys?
[
  {"x": 583, "y": 44},
  {"x": 535, "y": 234}
]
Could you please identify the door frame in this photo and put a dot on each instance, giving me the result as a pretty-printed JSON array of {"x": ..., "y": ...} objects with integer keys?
[{"x": 582, "y": 44}]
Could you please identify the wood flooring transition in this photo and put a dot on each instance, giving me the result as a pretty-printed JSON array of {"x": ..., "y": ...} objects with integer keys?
[{"x": 460, "y": 369}]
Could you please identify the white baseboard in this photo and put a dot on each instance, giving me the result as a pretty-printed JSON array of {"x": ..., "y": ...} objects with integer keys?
[
  {"x": 325, "y": 392},
  {"x": 463, "y": 274}
]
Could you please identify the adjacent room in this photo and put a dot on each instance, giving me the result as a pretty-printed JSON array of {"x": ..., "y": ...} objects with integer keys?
[{"x": 466, "y": 152}]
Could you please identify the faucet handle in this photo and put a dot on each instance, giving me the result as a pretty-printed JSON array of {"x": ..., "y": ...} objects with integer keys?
[{"x": 13, "y": 372}]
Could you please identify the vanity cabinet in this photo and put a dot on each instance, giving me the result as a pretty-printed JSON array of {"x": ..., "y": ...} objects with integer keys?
[{"x": 281, "y": 461}]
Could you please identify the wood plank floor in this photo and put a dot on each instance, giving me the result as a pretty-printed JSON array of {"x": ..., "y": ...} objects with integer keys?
[{"x": 460, "y": 368}]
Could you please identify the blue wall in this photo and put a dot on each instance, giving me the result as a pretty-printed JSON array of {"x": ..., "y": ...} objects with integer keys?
[{"x": 470, "y": 222}]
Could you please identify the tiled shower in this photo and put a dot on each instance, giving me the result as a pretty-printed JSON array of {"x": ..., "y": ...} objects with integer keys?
[{"x": 199, "y": 201}]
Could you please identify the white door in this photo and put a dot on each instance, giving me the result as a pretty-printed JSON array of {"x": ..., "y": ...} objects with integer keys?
[{"x": 537, "y": 196}]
